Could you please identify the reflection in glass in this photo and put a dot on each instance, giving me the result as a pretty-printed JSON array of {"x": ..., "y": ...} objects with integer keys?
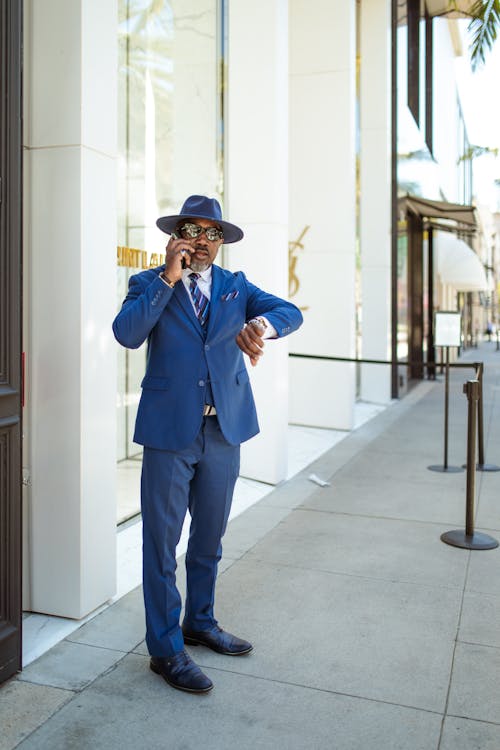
[{"x": 169, "y": 119}]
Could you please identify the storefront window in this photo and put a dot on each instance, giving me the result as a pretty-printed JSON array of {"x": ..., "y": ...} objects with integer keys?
[
  {"x": 402, "y": 291},
  {"x": 170, "y": 144}
]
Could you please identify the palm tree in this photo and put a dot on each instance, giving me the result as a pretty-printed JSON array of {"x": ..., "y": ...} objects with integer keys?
[{"x": 484, "y": 28}]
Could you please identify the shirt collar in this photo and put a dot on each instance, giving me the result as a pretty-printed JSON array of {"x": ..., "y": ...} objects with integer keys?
[{"x": 206, "y": 275}]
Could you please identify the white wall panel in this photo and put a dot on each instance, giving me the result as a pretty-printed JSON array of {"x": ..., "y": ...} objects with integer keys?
[
  {"x": 375, "y": 197},
  {"x": 322, "y": 196},
  {"x": 70, "y": 261},
  {"x": 256, "y": 197}
]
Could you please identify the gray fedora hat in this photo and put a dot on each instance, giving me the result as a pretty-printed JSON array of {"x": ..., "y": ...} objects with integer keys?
[{"x": 201, "y": 207}]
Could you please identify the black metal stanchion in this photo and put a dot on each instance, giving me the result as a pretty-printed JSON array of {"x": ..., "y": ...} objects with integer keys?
[
  {"x": 468, "y": 538},
  {"x": 445, "y": 468},
  {"x": 481, "y": 466},
  {"x": 498, "y": 344}
]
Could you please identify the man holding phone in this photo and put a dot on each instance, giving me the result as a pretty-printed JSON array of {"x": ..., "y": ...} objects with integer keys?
[{"x": 195, "y": 410}]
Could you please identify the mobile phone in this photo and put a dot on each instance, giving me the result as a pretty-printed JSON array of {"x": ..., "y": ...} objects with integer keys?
[{"x": 177, "y": 236}]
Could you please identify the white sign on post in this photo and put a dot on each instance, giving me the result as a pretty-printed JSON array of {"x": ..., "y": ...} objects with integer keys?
[{"x": 447, "y": 328}]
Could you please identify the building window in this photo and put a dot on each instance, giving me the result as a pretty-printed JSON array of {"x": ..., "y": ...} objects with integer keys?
[{"x": 171, "y": 62}]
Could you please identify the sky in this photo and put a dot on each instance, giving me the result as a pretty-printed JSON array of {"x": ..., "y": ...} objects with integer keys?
[{"x": 479, "y": 94}]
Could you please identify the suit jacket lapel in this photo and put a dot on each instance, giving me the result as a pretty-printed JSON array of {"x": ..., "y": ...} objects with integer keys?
[
  {"x": 182, "y": 296},
  {"x": 215, "y": 295}
]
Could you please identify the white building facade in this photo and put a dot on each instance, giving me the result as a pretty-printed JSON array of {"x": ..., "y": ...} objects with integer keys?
[{"x": 284, "y": 110}]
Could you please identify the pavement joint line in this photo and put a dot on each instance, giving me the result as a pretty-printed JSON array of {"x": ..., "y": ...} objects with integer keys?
[
  {"x": 427, "y": 585},
  {"x": 472, "y": 718},
  {"x": 78, "y": 691},
  {"x": 321, "y": 690},
  {"x": 17, "y": 678},
  {"x": 91, "y": 645},
  {"x": 379, "y": 518},
  {"x": 482, "y": 645},
  {"x": 455, "y": 644},
  {"x": 233, "y": 560},
  {"x": 382, "y": 518}
]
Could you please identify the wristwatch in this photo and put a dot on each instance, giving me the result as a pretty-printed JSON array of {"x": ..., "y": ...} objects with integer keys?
[{"x": 259, "y": 321}]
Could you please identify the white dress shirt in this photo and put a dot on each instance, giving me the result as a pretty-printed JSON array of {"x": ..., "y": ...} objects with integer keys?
[{"x": 205, "y": 284}]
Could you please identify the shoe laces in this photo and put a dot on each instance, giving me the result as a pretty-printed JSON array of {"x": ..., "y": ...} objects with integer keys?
[{"x": 184, "y": 663}]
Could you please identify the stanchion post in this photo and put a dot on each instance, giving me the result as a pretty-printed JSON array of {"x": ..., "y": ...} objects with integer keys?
[
  {"x": 445, "y": 468},
  {"x": 481, "y": 465},
  {"x": 471, "y": 389},
  {"x": 469, "y": 539},
  {"x": 446, "y": 407},
  {"x": 480, "y": 424}
]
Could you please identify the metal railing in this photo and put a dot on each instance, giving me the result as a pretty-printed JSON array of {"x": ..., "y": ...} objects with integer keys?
[
  {"x": 466, "y": 538},
  {"x": 479, "y": 371}
]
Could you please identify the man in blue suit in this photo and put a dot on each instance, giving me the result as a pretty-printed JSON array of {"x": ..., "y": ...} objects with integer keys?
[{"x": 195, "y": 410}]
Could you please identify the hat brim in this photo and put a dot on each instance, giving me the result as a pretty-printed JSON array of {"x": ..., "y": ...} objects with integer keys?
[{"x": 232, "y": 233}]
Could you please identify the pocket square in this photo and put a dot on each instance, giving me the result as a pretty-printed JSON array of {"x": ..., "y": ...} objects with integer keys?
[{"x": 230, "y": 295}]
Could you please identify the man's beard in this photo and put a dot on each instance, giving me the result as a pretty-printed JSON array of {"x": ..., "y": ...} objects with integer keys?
[{"x": 199, "y": 267}]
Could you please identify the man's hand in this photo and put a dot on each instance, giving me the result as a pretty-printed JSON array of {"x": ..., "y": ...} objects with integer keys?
[
  {"x": 176, "y": 250},
  {"x": 250, "y": 341}
]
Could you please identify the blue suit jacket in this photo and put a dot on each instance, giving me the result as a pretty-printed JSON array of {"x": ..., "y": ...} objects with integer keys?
[{"x": 182, "y": 358}]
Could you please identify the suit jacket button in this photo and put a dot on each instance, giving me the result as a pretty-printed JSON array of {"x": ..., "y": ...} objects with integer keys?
[{"x": 201, "y": 382}]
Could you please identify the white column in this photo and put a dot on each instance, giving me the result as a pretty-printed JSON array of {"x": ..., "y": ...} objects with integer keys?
[
  {"x": 375, "y": 205},
  {"x": 322, "y": 196},
  {"x": 71, "y": 280},
  {"x": 256, "y": 198}
]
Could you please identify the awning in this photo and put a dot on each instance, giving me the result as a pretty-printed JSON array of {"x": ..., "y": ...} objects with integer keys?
[
  {"x": 450, "y": 8},
  {"x": 429, "y": 209},
  {"x": 458, "y": 265}
]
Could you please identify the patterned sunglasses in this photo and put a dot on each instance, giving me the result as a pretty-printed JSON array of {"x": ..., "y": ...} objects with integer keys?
[{"x": 191, "y": 231}]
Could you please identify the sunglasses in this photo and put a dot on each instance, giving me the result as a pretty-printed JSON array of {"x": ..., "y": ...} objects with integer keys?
[{"x": 192, "y": 231}]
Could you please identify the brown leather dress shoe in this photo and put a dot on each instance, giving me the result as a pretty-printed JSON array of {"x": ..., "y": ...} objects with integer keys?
[
  {"x": 181, "y": 672},
  {"x": 218, "y": 640}
]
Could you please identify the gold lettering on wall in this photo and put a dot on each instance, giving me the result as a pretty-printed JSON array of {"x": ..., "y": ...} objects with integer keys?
[
  {"x": 293, "y": 280},
  {"x": 132, "y": 257}
]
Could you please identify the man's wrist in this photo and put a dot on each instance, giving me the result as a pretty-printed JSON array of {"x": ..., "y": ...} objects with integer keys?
[{"x": 164, "y": 278}]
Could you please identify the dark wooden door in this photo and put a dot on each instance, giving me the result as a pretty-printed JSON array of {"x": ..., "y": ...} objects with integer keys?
[{"x": 10, "y": 335}]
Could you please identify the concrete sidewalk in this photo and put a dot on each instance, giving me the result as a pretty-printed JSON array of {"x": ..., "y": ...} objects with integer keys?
[{"x": 369, "y": 632}]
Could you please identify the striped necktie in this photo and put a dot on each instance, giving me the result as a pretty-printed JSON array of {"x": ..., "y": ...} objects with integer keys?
[{"x": 199, "y": 299}]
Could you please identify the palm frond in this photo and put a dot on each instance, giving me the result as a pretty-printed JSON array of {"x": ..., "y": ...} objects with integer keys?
[{"x": 484, "y": 29}]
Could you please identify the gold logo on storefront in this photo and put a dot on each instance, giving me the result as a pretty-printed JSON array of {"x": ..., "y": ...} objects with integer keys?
[
  {"x": 293, "y": 280},
  {"x": 131, "y": 257}
]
